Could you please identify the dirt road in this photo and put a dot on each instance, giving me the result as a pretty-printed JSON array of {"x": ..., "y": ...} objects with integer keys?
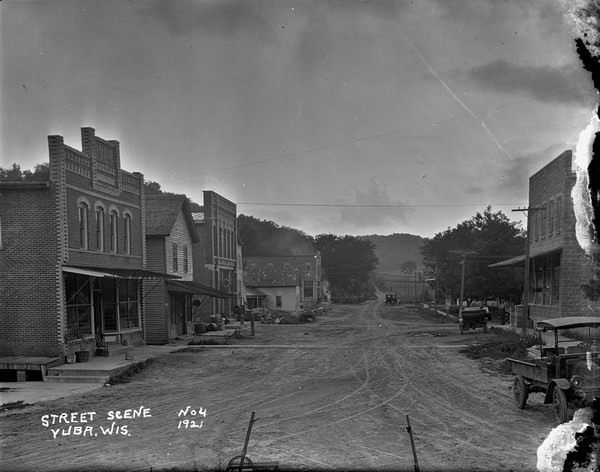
[{"x": 329, "y": 395}]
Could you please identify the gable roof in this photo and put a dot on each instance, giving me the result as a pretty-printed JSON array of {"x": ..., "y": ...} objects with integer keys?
[
  {"x": 270, "y": 272},
  {"x": 162, "y": 212}
]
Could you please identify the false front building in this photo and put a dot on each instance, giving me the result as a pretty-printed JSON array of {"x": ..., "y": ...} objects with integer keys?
[
  {"x": 558, "y": 266},
  {"x": 73, "y": 252}
]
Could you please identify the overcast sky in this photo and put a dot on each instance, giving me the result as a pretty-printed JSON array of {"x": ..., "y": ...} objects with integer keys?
[{"x": 345, "y": 117}]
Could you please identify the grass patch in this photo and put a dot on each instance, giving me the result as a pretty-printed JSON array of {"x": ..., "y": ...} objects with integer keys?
[
  {"x": 501, "y": 344},
  {"x": 14, "y": 405},
  {"x": 127, "y": 375}
]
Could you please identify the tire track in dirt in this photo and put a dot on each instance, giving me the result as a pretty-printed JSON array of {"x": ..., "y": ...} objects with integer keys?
[{"x": 337, "y": 407}]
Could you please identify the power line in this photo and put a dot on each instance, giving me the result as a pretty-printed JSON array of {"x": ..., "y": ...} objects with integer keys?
[
  {"x": 374, "y": 205},
  {"x": 363, "y": 138}
]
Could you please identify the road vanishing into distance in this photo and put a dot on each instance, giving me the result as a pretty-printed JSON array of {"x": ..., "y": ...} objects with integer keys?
[{"x": 335, "y": 394}]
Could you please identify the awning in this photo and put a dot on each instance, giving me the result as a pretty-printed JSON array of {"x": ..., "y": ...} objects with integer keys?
[
  {"x": 118, "y": 272},
  {"x": 520, "y": 260},
  {"x": 509, "y": 262},
  {"x": 254, "y": 292},
  {"x": 195, "y": 287}
]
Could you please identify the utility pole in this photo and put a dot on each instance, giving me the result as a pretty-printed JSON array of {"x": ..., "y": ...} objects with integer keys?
[
  {"x": 463, "y": 253},
  {"x": 415, "y": 276},
  {"x": 435, "y": 289},
  {"x": 525, "y": 315}
]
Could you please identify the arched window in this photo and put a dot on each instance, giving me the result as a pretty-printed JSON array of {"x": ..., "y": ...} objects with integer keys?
[
  {"x": 83, "y": 225},
  {"x": 114, "y": 231},
  {"x": 100, "y": 228},
  {"x": 127, "y": 233}
]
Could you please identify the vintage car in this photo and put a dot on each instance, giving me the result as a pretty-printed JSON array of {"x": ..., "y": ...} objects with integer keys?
[
  {"x": 568, "y": 372},
  {"x": 391, "y": 298},
  {"x": 473, "y": 317}
]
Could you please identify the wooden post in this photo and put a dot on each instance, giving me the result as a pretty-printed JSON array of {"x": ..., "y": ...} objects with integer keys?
[
  {"x": 525, "y": 314},
  {"x": 245, "y": 450},
  {"x": 412, "y": 443}
]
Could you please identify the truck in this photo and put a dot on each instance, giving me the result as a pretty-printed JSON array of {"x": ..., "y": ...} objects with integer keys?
[
  {"x": 391, "y": 298},
  {"x": 472, "y": 318},
  {"x": 567, "y": 372}
]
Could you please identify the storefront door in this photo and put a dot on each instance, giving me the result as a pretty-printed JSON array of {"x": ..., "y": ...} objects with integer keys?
[{"x": 178, "y": 314}]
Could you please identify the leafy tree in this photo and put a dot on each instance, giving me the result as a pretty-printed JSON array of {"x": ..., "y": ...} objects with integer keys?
[
  {"x": 487, "y": 237},
  {"x": 408, "y": 267},
  {"x": 266, "y": 238},
  {"x": 41, "y": 173},
  {"x": 153, "y": 188},
  {"x": 591, "y": 289},
  {"x": 348, "y": 263}
]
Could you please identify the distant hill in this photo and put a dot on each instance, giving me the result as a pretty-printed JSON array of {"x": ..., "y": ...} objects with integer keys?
[{"x": 395, "y": 249}]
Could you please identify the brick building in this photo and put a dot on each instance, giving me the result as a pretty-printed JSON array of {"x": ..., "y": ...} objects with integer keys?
[
  {"x": 558, "y": 265},
  {"x": 285, "y": 283},
  {"x": 73, "y": 252},
  {"x": 215, "y": 256}
]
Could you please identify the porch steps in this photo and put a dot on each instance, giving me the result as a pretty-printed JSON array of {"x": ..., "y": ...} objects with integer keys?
[
  {"x": 83, "y": 378},
  {"x": 72, "y": 373}
]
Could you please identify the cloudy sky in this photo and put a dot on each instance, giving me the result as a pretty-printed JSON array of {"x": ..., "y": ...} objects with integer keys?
[{"x": 330, "y": 116}]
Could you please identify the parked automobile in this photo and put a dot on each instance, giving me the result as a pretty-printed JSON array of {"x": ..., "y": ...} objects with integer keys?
[
  {"x": 391, "y": 298},
  {"x": 472, "y": 318},
  {"x": 568, "y": 375}
]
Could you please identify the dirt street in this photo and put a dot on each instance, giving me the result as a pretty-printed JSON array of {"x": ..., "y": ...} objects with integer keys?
[{"x": 333, "y": 394}]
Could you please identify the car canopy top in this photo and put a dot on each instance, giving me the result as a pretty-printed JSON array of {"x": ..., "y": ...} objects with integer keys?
[{"x": 570, "y": 322}]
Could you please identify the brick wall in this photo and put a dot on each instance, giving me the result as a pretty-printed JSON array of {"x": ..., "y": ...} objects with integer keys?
[
  {"x": 29, "y": 257},
  {"x": 547, "y": 187}
]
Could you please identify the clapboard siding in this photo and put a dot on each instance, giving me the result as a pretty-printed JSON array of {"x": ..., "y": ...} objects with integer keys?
[
  {"x": 157, "y": 331},
  {"x": 180, "y": 234},
  {"x": 155, "y": 253}
]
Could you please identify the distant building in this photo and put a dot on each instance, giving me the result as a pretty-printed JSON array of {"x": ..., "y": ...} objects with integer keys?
[
  {"x": 558, "y": 265},
  {"x": 285, "y": 283},
  {"x": 215, "y": 256},
  {"x": 73, "y": 252}
]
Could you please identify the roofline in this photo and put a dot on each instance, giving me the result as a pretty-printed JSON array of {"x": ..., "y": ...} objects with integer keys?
[{"x": 40, "y": 184}]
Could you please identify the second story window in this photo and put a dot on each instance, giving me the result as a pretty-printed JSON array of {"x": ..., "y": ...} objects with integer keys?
[
  {"x": 83, "y": 226},
  {"x": 114, "y": 231},
  {"x": 127, "y": 233},
  {"x": 558, "y": 213},
  {"x": 551, "y": 219},
  {"x": 185, "y": 259},
  {"x": 175, "y": 261},
  {"x": 307, "y": 268},
  {"x": 544, "y": 222},
  {"x": 100, "y": 229}
]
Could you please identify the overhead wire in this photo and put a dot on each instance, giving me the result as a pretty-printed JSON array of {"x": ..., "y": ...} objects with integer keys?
[{"x": 363, "y": 138}]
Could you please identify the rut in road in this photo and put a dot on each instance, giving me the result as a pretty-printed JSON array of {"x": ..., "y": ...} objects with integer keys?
[{"x": 339, "y": 406}]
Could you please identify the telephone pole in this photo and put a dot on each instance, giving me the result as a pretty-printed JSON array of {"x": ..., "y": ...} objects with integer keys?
[
  {"x": 463, "y": 253},
  {"x": 525, "y": 315}
]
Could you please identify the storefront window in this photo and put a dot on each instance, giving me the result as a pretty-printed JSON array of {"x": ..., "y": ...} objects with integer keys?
[
  {"x": 128, "y": 304},
  {"x": 109, "y": 304},
  {"x": 544, "y": 282},
  {"x": 78, "y": 300}
]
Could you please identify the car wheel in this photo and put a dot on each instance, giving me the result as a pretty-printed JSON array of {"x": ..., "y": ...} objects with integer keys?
[
  {"x": 559, "y": 401},
  {"x": 520, "y": 391}
]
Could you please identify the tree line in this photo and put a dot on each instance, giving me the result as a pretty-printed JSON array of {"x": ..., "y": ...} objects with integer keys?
[{"x": 349, "y": 263}]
